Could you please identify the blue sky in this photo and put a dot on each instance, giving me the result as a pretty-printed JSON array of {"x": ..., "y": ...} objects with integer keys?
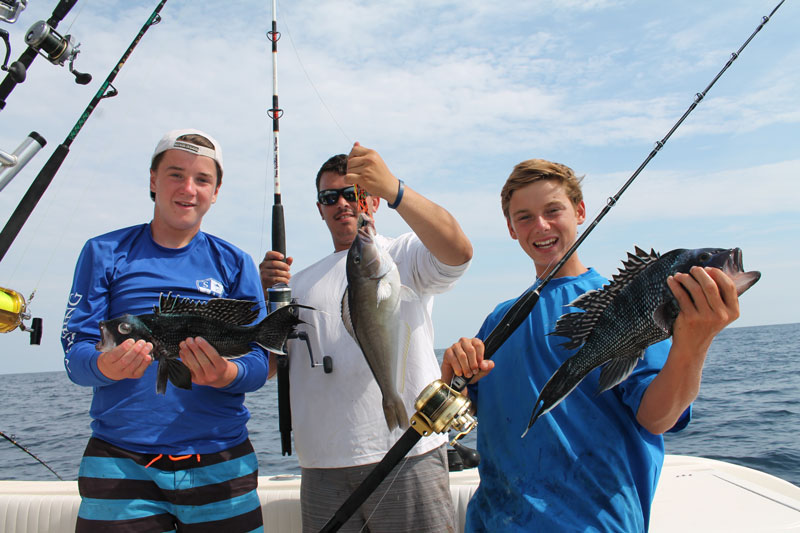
[{"x": 453, "y": 95}]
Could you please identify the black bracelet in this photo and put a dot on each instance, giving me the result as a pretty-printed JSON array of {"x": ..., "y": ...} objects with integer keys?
[{"x": 401, "y": 187}]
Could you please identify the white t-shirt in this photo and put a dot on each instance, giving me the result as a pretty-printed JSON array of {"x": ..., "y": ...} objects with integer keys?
[{"x": 337, "y": 418}]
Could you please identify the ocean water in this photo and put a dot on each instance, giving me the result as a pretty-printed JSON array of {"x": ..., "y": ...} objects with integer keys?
[{"x": 748, "y": 413}]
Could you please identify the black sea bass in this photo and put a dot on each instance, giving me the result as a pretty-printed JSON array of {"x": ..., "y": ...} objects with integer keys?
[
  {"x": 636, "y": 309},
  {"x": 371, "y": 314},
  {"x": 220, "y": 321}
]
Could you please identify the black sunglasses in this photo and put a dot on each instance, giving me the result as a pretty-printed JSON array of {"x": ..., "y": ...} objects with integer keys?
[{"x": 331, "y": 196}]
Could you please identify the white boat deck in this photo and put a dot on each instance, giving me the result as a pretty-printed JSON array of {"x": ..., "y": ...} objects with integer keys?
[{"x": 694, "y": 495}]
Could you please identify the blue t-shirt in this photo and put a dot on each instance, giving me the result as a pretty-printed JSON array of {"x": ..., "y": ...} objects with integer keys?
[
  {"x": 587, "y": 465},
  {"x": 125, "y": 271}
]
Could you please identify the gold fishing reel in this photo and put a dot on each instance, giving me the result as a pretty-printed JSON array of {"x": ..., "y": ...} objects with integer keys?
[
  {"x": 13, "y": 311},
  {"x": 440, "y": 409}
]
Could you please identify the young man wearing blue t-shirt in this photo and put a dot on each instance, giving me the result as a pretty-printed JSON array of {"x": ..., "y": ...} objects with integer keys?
[
  {"x": 592, "y": 463},
  {"x": 179, "y": 460}
]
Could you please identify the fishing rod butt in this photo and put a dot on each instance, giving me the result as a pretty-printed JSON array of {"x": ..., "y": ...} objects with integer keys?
[{"x": 280, "y": 295}]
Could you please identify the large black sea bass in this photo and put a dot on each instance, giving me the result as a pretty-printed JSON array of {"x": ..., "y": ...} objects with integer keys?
[
  {"x": 220, "y": 321},
  {"x": 633, "y": 311}
]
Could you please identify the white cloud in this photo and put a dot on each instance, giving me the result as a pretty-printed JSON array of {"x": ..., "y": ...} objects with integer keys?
[{"x": 452, "y": 94}]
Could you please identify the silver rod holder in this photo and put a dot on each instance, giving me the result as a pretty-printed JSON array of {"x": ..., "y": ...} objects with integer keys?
[{"x": 13, "y": 163}]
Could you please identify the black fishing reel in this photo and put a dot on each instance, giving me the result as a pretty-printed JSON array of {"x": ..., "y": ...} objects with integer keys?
[
  {"x": 279, "y": 296},
  {"x": 56, "y": 48}
]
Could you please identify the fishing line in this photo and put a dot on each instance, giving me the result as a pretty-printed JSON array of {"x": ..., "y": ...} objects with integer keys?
[
  {"x": 378, "y": 504},
  {"x": 26, "y": 450},
  {"x": 78, "y": 14},
  {"x": 280, "y": 294},
  {"x": 509, "y": 323},
  {"x": 46, "y": 217},
  {"x": 525, "y": 303},
  {"x": 310, "y": 82},
  {"x": 48, "y": 172}
]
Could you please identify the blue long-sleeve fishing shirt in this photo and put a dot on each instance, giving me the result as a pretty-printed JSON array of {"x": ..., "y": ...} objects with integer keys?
[{"x": 125, "y": 271}]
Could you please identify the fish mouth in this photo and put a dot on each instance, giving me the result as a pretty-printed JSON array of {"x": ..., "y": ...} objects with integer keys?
[
  {"x": 106, "y": 341},
  {"x": 366, "y": 227},
  {"x": 730, "y": 262}
]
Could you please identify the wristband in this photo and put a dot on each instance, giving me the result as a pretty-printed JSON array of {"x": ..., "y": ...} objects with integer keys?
[{"x": 400, "y": 189}]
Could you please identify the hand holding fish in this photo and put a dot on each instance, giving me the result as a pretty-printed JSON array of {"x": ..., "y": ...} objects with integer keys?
[
  {"x": 221, "y": 322},
  {"x": 434, "y": 225},
  {"x": 465, "y": 358},
  {"x": 274, "y": 269},
  {"x": 708, "y": 302},
  {"x": 691, "y": 294},
  {"x": 366, "y": 168},
  {"x": 205, "y": 363},
  {"x": 128, "y": 360}
]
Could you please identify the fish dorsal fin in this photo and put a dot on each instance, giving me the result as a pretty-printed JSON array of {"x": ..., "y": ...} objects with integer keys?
[
  {"x": 235, "y": 312},
  {"x": 616, "y": 370},
  {"x": 578, "y": 326},
  {"x": 346, "y": 318}
]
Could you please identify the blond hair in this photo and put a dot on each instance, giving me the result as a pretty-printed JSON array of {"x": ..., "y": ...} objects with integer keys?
[{"x": 534, "y": 170}]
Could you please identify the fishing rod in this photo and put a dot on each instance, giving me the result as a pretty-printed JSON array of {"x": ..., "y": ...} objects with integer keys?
[
  {"x": 280, "y": 294},
  {"x": 523, "y": 306},
  {"x": 43, "y": 39},
  {"x": 437, "y": 402},
  {"x": 26, "y": 450},
  {"x": 45, "y": 176}
]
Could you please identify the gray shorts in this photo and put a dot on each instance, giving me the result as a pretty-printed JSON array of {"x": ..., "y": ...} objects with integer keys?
[{"x": 415, "y": 496}]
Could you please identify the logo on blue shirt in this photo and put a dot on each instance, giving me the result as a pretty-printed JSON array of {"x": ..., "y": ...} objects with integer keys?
[{"x": 210, "y": 286}]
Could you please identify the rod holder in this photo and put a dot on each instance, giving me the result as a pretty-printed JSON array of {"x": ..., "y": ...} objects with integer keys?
[{"x": 11, "y": 164}]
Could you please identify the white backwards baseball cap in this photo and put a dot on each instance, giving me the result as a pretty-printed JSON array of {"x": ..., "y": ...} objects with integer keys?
[{"x": 170, "y": 141}]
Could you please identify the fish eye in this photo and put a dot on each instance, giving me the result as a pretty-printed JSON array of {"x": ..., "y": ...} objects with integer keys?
[
  {"x": 705, "y": 256},
  {"x": 124, "y": 328}
]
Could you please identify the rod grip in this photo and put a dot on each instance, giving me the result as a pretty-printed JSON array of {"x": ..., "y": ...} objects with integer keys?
[
  {"x": 31, "y": 198},
  {"x": 278, "y": 229}
]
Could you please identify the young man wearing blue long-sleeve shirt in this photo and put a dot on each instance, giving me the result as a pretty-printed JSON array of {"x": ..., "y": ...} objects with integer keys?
[{"x": 180, "y": 460}]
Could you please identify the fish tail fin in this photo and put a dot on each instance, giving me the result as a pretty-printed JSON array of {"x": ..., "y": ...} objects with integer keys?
[
  {"x": 558, "y": 387},
  {"x": 536, "y": 413},
  {"x": 276, "y": 327},
  {"x": 395, "y": 413},
  {"x": 174, "y": 371}
]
